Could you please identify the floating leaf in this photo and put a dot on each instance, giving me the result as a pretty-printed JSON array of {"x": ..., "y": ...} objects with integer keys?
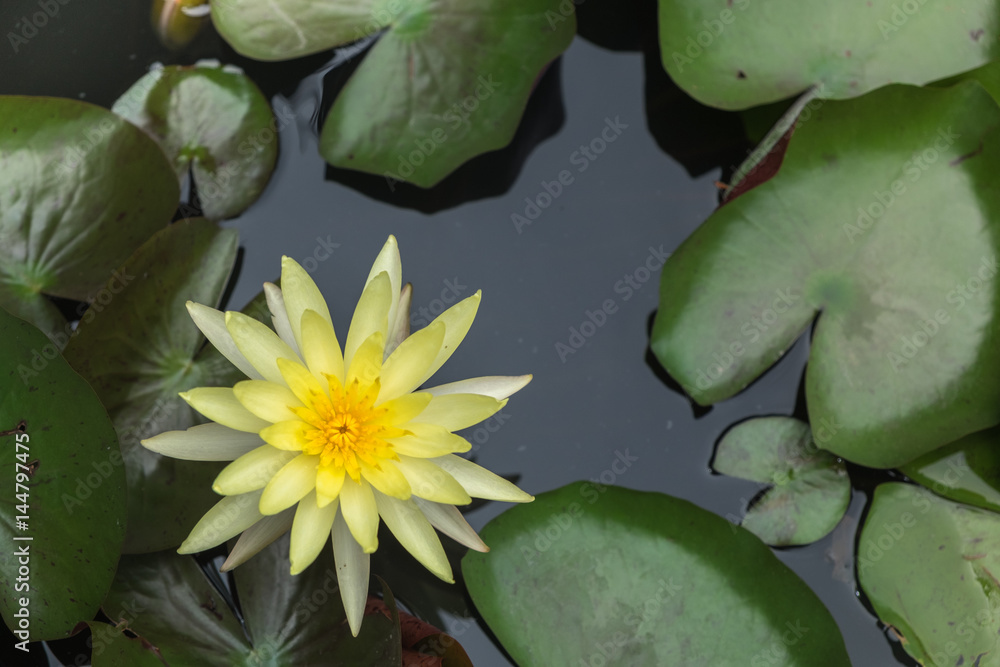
[
  {"x": 213, "y": 121},
  {"x": 809, "y": 490},
  {"x": 80, "y": 189},
  {"x": 589, "y": 573},
  {"x": 63, "y": 517},
  {"x": 740, "y": 54},
  {"x": 883, "y": 217},
  {"x": 111, "y": 647},
  {"x": 290, "y": 620},
  {"x": 139, "y": 350},
  {"x": 967, "y": 470},
  {"x": 928, "y": 567},
  {"x": 445, "y": 81}
]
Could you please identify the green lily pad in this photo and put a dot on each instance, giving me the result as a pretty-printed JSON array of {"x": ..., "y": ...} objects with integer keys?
[
  {"x": 445, "y": 81},
  {"x": 590, "y": 575},
  {"x": 63, "y": 517},
  {"x": 290, "y": 620},
  {"x": 740, "y": 54},
  {"x": 111, "y": 647},
  {"x": 139, "y": 350},
  {"x": 80, "y": 189},
  {"x": 212, "y": 121},
  {"x": 883, "y": 218},
  {"x": 809, "y": 490},
  {"x": 967, "y": 470},
  {"x": 928, "y": 567}
]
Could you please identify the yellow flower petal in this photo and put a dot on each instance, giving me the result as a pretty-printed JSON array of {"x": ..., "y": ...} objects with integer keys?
[
  {"x": 230, "y": 517},
  {"x": 400, "y": 329},
  {"x": 310, "y": 532},
  {"x": 290, "y": 484},
  {"x": 403, "y": 409},
  {"x": 320, "y": 348},
  {"x": 458, "y": 411},
  {"x": 426, "y": 441},
  {"x": 357, "y": 502},
  {"x": 269, "y": 401},
  {"x": 387, "y": 478},
  {"x": 415, "y": 533},
  {"x": 450, "y": 521},
  {"x": 205, "y": 442},
  {"x": 353, "y": 570},
  {"x": 480, "y": 482},
  {"x": 303, "y": 384},
  {"x": 259, "y": 344},
  {"x": 366, "y": 364},
  {"x": 279, "y": 316},
  {"x": 497, "y": 386},
  {"x": 407, "y": 367},
  {"x": 329, "y": 482},
  {"x": 212, "y": 323},
  {"x": 251, "y": 471},
  {"x": 301, "y": 294},
  {"x": 457, "y": 322},
  {"x": 220, "y": 405},
  {"x": 257, "y": 537},
  {"x": 370, "y": 317},
  {"x": 288, "y": 435},
  {"x": 431, "y": 482},
  {"x": 389, "y": 262}
]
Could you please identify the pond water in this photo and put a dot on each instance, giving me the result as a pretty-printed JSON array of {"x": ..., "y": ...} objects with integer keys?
[{"x": 586, "y": 257}]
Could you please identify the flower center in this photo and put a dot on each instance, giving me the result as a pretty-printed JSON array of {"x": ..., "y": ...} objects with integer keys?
[{"x": 347, "y": 430}]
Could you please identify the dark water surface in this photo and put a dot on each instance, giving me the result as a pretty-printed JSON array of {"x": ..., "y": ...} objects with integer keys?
[{"x": 630, "y": 205}]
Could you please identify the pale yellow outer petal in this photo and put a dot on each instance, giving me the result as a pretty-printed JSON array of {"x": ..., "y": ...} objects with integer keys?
[
  {"x": 458, "y": 411},
  {"x": 457, "y": 322},
  {"x": 279, "y": 316},
  {"x": 320, "y": 348},
  {"x": 301, "y": 382},
  {"x": 259, "y": 344},
  {"x": 205, "y": 442},
  {"x": 480, "y": 482},
  {"x": 371, "y": 316},
  {"x": 406, "y": 368},
  {"x": 258, "y": 537},
  {"x": 429, "y": 481},
  {"x": 357, "y": 503},
  {"x": 220, "y": 405},
  {"x": 288, "y": 435},
  {"x": 387, "y": 478},
  {"x": 269, "y": 401},
  {"x": 403, "y": 409},
  {"x": 353, "y": 571},
  {"x": 301, "y": 294},
  {"x": 230, "y": 517},
  {"x": 450, "y": 521},
  {"x": 251, "y": 471},
  {"x": 425, "y": 441},
  {"x": 310, "y": 531},
  {"x": 212, "y": 323},
  {"x": 400, "y": 329},
  {"x": 290, "y": 484},
  {"x": 389, "y": 262},
  {"x": 328, "y": 485},
  {"x": 415, "y": 533},
  {"x": 496, "y": 386}
]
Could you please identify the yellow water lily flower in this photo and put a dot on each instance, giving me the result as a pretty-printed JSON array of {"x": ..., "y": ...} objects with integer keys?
[{"x": 327, "y": 441}]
